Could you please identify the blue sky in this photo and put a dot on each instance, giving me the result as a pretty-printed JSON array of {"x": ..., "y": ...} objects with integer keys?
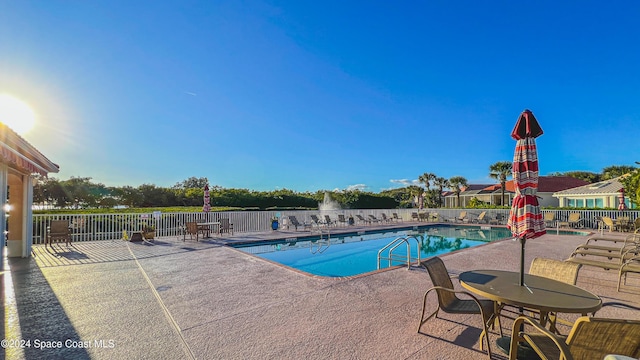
[{"x": 311, "y": 95}]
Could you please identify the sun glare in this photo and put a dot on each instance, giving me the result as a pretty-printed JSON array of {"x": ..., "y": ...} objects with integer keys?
[{"x": 16, "y": 114}]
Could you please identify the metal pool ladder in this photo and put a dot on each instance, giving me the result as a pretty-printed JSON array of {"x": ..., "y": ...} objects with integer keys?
[
  {"x": 402, "y": 258},
  {"x": 320, "y": 249}
]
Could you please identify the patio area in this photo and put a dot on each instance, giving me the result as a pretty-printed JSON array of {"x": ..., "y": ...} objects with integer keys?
[{"x": 182, "y": 300}]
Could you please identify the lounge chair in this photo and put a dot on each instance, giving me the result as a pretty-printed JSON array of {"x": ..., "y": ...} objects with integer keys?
[
  {"x": 590, "y": 338},
  {"x": 328, "y": 221},
  {"x": 342, "y": 220},
  {"x": 374, "y": 219},
  {"x": 550, "y": 219},
  {"x": 462, "y": 217},
  {"x": 629, "y": 265},
  {"x": 481, "y": 218},
  {"x": 498, "y": 220},
  {"x": 193, "y": 228},
  {"x": 58, "y": 230},
  {"x": 361, "y": 219},
  {"x": 449, "y": 302},
  {"x": 415, "y": 217},
  {"x": 294, "y": 221},
  {"x": 385, "y": 218},
  {"x": 434, "y": 216},
  {"x": 396, "y": 217},
  {"x": 226, "y": 226},
  {"x": 316, "y": 221},
  {"x": 573, "y": 221}
]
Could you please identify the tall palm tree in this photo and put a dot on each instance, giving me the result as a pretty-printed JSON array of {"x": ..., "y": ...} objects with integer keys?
[
  {"x": 426, "y": 180},
  {"x": 500, "y": 171},
  {"x": 441, "y": 183},
  {"x": 457, "y": 183}
]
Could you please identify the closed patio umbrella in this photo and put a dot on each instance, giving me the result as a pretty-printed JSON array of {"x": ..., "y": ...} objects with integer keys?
[
  {"x": 621, "y": 205},
  {"x": 207, "y": 200},
  {"x": 525, "y": 219}
]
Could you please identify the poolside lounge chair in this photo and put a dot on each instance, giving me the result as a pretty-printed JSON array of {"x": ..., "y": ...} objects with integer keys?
[
  {"x": 449, "y": 302},
  {"x": 342, "y": 220},
  {"x": 629, "y": 265},
  {"x": 361, "y": 219},
  {"x": 481, "y": 218},
  {"x": 462, "y": 217},
  {"x": 294, "y": 221},
  {"x": 192, "y": 228},
  {"x": 58, "y": 230},
  {"x": 316, "y": 221},
  {"x": 396, "y": 217},
  {"x": 226, "y": 226},
  {"x": 374, "y": 219},
  {"x": 328, "y": 221},
  {"x": 573, "y": 221},
  {"x": 549, "y": 219},
  {"x": 385, "y": 218},
  {"x": 415, "y": 217},
  {"x": 590, "y": 338}
]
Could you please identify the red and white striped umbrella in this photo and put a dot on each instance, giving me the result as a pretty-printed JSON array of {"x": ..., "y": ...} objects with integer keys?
[
  {"x": 207, "y": 200},
  {"x": 622, "y": 206},
  {"x": 525, "y": 219}
]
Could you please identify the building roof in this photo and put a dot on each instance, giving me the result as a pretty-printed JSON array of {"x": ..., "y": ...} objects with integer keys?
[
  {"x": 606, "y": 187},
  {"x": 18, "y": 153},
  {"x": 552, "y": 184}
]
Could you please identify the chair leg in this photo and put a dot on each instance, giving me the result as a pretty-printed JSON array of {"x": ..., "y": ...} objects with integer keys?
[{"x": 424, "y": 307}]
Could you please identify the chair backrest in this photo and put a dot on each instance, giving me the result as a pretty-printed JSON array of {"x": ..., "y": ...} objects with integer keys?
[
  {"x": 564, "y": 271},
  {"x": 607, "y": 221},
  {"x": 594, "y": 338},
  {"x": 360, "y": 217},
  {"x": 395, "y": 216},
  {"x": 482, "y": 215},
  {"x": 573, "y": 217},
  {"x": 384, "y": 216},
  {"x": 192, "y": 227},
  {"x": 327, "y": 219},
  {"x": 225, "y": 224},
  {"x": 636, "y": 223},
  {"x": 549, "y": 216},
  {"x": 440, "y": 277},
  {"x": 315, "y": 218},
  {"x": 294, "y": 220},
  {"x": 341, "y": 218},
  {"x": 59, "y": 227},
  {"x": 463, "y": 214}
]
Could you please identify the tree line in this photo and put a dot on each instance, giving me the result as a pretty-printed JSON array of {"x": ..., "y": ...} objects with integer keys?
[{"x": 83, "y": 193}]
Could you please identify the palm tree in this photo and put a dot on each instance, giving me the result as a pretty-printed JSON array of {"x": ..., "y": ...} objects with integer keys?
[
  {"x": 426, "y": 180},
  {"x": 441, "y": 183},
  {"x": 500, "y": 171},
  {"x": 457, "y": 183}
]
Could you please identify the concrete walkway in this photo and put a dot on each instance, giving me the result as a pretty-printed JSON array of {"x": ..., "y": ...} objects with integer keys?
[{"x": 184, "y": 300}]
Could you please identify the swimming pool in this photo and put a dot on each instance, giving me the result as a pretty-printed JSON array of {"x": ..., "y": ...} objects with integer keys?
[{"x": 357, "y": 253}]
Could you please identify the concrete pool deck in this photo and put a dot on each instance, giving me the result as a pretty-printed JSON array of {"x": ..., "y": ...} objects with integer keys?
[{"x": 182, "y": 300}]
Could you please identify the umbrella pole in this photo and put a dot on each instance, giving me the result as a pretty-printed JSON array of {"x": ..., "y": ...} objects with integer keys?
[{"x": 522, "y": 240}]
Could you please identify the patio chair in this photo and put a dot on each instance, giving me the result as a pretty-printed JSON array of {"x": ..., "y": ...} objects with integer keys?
[
  {"x": 396, "y": 217},
  {"x": 449, "y": 302},
  {"x": 563, "y": 271},
  {"x": 607, "y": 222},
  {"x": 462, "y": 217},
  {"x": 415, "y": 217},
  {"x": 226, "y": 226},
  {"x": 636, "y": 225},
  {"x": 58, "y": 230},
  {"x": 294, "y": 221},
  {"x": 590, "y": 338},
  {"x": 342, "y": 220},
  {"x": 549, "y": 219},
  {"x": 192, "y": 228},
  {"x": 385, "y": 218}
]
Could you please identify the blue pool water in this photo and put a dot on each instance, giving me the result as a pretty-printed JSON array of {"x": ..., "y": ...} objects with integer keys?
[{"x": 357, "y": 253}]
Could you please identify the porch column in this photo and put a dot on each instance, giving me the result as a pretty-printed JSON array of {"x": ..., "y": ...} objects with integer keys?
[{"x": 27, "y": 221}]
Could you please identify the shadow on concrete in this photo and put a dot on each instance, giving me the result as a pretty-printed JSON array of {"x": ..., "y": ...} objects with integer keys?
[{"x": 42, "y": 320}]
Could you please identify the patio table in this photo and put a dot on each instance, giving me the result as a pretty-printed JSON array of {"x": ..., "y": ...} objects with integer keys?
[
  {"x": 543, "y": 294},
  {"x": 206, "y": 226}
]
